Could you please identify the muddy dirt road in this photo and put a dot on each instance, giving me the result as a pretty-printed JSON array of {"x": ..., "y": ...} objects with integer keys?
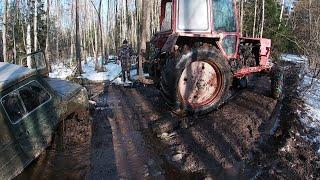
[{"x": 131, "y": 134}]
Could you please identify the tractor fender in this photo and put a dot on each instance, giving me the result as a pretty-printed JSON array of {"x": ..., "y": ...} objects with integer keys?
[{"x": 168, "y": 47}]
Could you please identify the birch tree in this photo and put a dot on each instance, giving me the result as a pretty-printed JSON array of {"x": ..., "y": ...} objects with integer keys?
[
  {"x": 262, "y": 18},
  {"x": 4, "y": 30},
  {"x": 99, "y": 40},
  {"x": 281, "y": 13},
  {"x": 58, "y": 25},
  {"x": 35, "y": 25},
  {"x": 28, "y": 41},
  {"x": 254, "y": 19},
  {"x": 47, "y": 53},
  {"x": 143, "y": 35},
  {"x": 241, "y": 16}
]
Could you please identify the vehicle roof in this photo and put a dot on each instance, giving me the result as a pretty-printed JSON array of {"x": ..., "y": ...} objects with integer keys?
[{"x": 11, "y": 74}]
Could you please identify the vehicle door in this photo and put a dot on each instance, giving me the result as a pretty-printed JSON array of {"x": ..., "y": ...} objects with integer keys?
[{"x": 32, "y": 115}]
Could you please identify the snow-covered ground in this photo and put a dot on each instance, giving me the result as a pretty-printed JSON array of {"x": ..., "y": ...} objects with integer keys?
[
  {"x": 293, "y": 58},
  {"x": 60, "y": 71},
  {"x": 112, "y": 72},
  {"x": 309, "y": 91}
]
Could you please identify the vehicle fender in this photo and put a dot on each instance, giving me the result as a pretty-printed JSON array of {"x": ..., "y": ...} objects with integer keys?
[{"x": 168, "y": 47}]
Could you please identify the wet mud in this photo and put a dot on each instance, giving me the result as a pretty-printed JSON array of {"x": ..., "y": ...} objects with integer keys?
[{"x": 131, "y": 134}]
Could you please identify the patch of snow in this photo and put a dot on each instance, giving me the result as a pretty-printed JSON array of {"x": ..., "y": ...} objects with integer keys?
[
  {"x": 60, "y": 71},
  {"x": 293, "y": 58},
  {"x": 309, "y": 92},
  {"x": 112, "y": 72}
]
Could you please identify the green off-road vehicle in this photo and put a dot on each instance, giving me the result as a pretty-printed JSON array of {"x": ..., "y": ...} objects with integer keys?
[{"x": 31, "y": 107}]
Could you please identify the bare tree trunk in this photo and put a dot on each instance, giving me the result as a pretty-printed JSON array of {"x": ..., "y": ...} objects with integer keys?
[
  {"x": 78, "y": 46},
  {"x": 58, "y": 24},
  {"x": 48, "y": 55},
  {"x": 96, "y": 51},
  {"x": 4, "y": 31},
  {"x": 241, "y": 16},
  {"x": 35, "y": 25},
  {"x": 255, "y": 19},
  {"x": 85, "y": 34},
  {"x": 148, "y": 20},
  {"x": 143, "y": 43},
  {"x": 100, "y": 34},
  {"x": 125, "y": 18},
  {"x": 108, "y": 29},
  {"x": 23, "y": 34},
  {"x": 72, "y": 40},
  {"x": 310, "y": 18},
  {"x": 15, "y": 3},
  {"x": 29, "y": 45},
  {"x": 137, "y": 24},
  {"x": 281, "y": 13},
  {"x": 263, "y": 16}
]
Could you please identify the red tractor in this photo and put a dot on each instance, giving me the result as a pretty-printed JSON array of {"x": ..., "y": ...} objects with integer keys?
[{"x": 199, "y": 53}]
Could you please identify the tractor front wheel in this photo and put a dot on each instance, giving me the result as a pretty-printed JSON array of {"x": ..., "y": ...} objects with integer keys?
[{"x": 196, "y": 82}]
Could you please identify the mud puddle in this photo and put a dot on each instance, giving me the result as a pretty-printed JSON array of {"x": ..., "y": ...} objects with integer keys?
[{"x": 109, "y": 144}]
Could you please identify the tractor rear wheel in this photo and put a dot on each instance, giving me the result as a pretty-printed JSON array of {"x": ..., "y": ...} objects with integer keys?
[{"x": 196, "y": 82}]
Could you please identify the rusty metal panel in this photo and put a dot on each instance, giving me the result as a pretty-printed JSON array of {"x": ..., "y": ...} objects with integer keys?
[
  {"x": 265, "y": 50},
  {"x": 193, "y": 15},
  {"x": 171, "y": 41}
]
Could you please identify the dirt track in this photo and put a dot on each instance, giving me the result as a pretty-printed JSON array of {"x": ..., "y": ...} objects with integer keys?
[{"x": 132, "y": 134}]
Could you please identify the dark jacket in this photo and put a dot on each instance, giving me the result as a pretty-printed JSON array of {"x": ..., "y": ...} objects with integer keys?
[{"x": 125, "y": 56}]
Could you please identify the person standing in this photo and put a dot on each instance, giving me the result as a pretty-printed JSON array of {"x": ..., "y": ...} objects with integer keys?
[{"x": 125, "y": 59}]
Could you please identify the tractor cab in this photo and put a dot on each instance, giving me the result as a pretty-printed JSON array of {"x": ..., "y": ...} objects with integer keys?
[{"x": 215, "y": 19}]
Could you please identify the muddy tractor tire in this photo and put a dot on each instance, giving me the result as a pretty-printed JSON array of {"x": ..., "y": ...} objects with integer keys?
[
  {"x": 196, "y": 82},
  {"x": 277, "y": 82}
]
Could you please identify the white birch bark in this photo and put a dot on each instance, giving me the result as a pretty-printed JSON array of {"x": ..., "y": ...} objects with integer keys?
[
  {"x": 4, "y": 31},
  {"x": 263, "y": 18},
  {"x": 35, "y": 25}
]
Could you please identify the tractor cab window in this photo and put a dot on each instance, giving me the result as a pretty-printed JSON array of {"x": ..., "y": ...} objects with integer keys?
[
  {"x": 224, "y": 15},
  {"x": 193, "y": 15},
  {"x": 167, "y": 16}
]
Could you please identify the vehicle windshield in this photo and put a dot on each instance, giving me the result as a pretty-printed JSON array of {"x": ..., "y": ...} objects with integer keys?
[
  {"x": 34, "y": 61},
  {"x": 224, "y": 15},
  {"x": 166, "y": 22},
  {"x": 193, "y": 15}
]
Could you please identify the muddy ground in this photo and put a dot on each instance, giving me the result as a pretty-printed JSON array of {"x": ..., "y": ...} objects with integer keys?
[{"x": 132, "y": 134}]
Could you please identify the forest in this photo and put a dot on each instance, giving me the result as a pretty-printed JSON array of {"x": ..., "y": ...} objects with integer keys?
[{"x": 51, "y": 26}]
